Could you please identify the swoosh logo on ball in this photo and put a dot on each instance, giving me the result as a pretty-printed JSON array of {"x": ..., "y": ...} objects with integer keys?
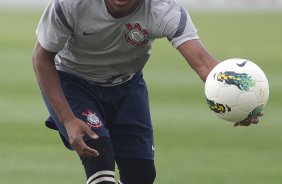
[{"x": 241, "y": 64}]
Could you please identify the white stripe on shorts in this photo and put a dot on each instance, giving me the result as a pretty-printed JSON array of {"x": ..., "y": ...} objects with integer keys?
[{"x": 100, "y": 173}]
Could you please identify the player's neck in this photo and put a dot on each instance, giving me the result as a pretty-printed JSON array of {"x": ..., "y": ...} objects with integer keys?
[{"x": 118, "y": 11}]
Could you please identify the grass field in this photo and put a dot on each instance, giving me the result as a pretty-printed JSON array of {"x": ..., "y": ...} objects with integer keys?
[{"x": 192, "y": 145}]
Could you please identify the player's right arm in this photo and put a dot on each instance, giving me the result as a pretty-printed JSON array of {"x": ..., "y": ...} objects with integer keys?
[
  {"x": 47, "y": 76},
  {"x": 53, "y": 31}
]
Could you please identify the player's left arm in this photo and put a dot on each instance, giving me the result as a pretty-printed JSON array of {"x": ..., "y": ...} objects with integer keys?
[
  {"x": 198, "y": 57},
  {"x": 202, "y": 62},
  {"x": 183, "y": 36}
]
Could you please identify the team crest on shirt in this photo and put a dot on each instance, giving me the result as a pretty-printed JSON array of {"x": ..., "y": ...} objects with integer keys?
[
  {"x": 92, "y": 119},
  {"x": 136, "y": 35}
]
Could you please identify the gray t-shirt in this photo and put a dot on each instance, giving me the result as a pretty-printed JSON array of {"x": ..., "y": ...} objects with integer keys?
[{"x": 95, "y": 46}]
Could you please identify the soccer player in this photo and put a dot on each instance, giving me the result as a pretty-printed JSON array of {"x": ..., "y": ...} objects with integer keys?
[{"x": 88, "y": 61}]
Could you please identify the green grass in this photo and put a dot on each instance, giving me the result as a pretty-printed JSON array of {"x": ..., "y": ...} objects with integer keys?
[{"x": 192, "y": 145}]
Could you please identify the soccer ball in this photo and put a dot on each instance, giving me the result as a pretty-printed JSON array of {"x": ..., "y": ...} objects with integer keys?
[{"x": 236, "y": 89}]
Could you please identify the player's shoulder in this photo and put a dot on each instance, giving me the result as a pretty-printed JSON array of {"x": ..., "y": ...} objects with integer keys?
[
  {"x": 77, "y": 5},
  {"x": 163, "y": 2},
  {"x": 72, "y": 2},
  {"x": 164, "y": 9},
  {"x": 162, "y": 5}
]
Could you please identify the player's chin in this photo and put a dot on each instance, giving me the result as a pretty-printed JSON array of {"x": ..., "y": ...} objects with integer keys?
[{"x": 121, "y": 3}]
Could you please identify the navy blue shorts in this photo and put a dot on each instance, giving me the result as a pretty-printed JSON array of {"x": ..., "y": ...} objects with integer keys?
[{"x": 120, "y": 112}]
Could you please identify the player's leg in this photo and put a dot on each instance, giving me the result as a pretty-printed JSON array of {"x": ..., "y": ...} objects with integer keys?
[
  {"x": 132, "y": 135},
  {"x": 136, "y": 171},
  {"x": 87, "y": 108},
  {"x": 100, "y": 169}
]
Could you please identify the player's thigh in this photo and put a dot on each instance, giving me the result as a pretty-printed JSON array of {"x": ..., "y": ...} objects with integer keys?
[{"x": 132, "y": 131}]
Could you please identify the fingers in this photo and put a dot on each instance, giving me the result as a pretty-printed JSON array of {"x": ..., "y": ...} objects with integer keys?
[
  {"x": 90, "y": 133},
  {"x": 261, "y": 114},
  {"x": 76, "y": 133},
  {"x": 247, "y": 122},
  {"x": 83, "y": 150}
]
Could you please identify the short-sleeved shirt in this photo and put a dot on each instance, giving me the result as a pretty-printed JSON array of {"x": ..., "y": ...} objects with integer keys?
[{"x": 95, "y": 46}]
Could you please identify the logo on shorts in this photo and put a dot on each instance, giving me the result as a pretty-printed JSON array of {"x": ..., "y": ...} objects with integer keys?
[
  {"x": 136, "y": 35},
  {"x": 92, "y": 119}
]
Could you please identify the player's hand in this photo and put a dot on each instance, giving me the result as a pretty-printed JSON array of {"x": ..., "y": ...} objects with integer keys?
[
  {"x": 248, "y": 122},
  {"x": 76, "y": 129}
]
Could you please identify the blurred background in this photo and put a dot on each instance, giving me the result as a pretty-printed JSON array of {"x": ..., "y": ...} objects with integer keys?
[
  {"x": 192, "y": 144},
  {"x": 194, "y": 4}
]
